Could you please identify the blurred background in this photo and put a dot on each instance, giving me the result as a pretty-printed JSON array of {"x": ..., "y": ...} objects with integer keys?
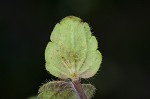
[{"x": 122, "y": 28}]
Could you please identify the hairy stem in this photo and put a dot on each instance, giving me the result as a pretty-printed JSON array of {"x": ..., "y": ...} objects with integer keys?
[{"x": 76, "y": 85}]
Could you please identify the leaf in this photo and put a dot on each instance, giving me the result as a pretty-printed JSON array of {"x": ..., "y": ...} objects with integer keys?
[
  {"x": 72, "y": 51},
  {"x": 89, "y": 90},
  {"x": 63, "y": 90}
]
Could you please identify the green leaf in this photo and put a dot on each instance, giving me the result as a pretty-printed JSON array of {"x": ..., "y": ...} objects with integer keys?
[
  {"x": 63, "y": 90},
  {"x": 72, "y": 51}
]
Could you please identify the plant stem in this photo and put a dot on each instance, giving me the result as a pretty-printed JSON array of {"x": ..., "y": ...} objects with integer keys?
[{"x": 76, "y": 85}]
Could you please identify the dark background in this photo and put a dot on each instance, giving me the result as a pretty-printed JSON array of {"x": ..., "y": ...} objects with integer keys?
[{"x": 122, "y": 28}]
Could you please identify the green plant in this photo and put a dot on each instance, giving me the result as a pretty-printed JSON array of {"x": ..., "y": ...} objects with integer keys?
[{"x": 71, "y": 55}]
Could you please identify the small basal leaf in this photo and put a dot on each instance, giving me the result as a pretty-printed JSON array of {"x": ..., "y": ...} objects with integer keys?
[
  {"x": 56, "y": 90},
  {"x": 72, "y": 51},
  {"x": 63, "y": 90},
  {"x": 88, "y": 90}
]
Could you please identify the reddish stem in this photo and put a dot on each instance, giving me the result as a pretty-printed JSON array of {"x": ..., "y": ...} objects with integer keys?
[{"x": 76, "y": 85}]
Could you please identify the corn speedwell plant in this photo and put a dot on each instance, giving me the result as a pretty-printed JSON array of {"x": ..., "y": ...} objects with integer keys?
[{"x": 71, "y": 55}]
